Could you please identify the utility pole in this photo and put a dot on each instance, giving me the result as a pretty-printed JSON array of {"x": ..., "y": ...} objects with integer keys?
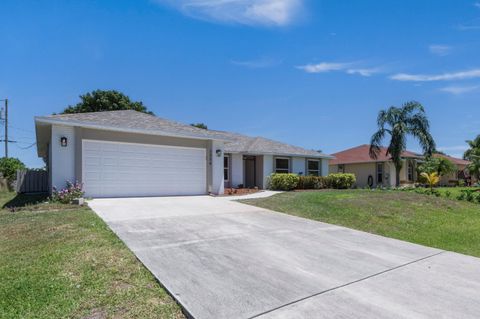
[{"x": 6, "y": 127}]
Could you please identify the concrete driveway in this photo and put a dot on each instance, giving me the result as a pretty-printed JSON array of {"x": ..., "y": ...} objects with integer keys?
[{"x": 223, "y": 259}]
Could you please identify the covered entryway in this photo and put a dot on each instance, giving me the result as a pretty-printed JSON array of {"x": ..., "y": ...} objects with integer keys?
[{"x": 114, "y": 169}]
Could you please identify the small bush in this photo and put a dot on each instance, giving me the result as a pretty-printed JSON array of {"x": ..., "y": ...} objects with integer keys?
[
  {"x": 283, "y": 182},
  {"x": 68, "y": 194},
  {"x": 341, "y": 181},
  {"x": 9, "y": 167},
  {"x": 461, "y": 196},
  {"x": 448, "y": 194},
  {"x": 311, "y": 182}
]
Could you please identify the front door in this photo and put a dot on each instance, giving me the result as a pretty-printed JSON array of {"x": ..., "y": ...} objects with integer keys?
[{"x": 249, "y": 171}]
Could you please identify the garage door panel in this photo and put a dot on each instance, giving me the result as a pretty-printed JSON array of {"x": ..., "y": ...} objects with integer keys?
[{"x": 123, "y": 169}]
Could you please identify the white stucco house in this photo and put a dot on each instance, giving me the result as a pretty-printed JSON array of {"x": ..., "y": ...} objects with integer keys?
[{"x": 128, "y": 153}]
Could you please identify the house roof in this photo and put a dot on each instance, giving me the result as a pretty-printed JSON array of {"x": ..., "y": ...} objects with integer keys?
[
  {"x": 361, "y": 154},
  {"x": 454, "y": 160},
  {"x": 130, "y": 121},
  {"x": 263, "y": 146},
  {"x": 137, "y": 122}
]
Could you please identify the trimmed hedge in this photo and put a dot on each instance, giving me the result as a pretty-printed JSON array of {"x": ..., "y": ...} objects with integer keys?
[
  {"x": 312, "y": 182},
  {"x": 341, "y": 181},
  {"x": 283, "y": 182},
  {"x": 288, "y": 182}
]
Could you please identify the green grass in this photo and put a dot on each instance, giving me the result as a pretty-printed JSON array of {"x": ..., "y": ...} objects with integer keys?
[
  {"x": 427, "y": 220},
  {"x": 63, "y": 262},
  {"x": 455, "y": 191}
]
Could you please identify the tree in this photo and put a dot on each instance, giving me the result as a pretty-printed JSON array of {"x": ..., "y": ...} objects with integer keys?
[
  {"x": 398, "y": 123},
  {"x": 200, "y": 125},
  {"x": 474, "y": 167},
  {"x": 431, "y": 178},
  {"x": 9, "y": 167},
  {"x": 100, "y": 100},
  {"x": 439, "y": 165},
  {"x": 474, "y": 149}
]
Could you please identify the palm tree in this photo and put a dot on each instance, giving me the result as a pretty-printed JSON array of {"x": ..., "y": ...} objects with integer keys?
[
  {"x": 474, "y": 149},
  {"x": 474, "y": 167},
  {"x": 431, "y": 178},
  {"x": 399, "y": 122}
]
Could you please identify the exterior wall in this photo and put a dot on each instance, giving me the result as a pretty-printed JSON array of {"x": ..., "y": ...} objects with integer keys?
[
  {"x": 325, "y": 169},
  {"x": 298, "y": 165},
  {"x": 236, "y": 173},
  {"x": 267, "y": 169},
  {"x": 62, "y": 159},
  {"x": 363, "y": 170},
  {"x": 217, "y": 182}
]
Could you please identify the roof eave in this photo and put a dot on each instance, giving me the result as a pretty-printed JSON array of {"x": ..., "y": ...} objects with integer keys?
[
  {"x": 47, "y": 120},
  {"x": 323, "y": 156}
]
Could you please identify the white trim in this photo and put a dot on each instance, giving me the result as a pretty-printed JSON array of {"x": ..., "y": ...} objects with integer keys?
[
  {"x": 44, "y": 120},
  {"x": 320, "y": 156},
  {"x": 228, "y": 168}
]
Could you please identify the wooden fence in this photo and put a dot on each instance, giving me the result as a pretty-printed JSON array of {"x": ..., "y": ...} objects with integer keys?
[{"x": 31, "y": 181}]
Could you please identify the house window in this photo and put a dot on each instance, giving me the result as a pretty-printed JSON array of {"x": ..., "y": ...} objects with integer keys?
[
  {"x": 313, "y": 167},
  {"x": 410, "y": 170},
  {"x": 379, "y": 173},
  {"x": 282, "y": 165},
  {"x": 341, "y": 168},
  {"x": 226, "y": 168}
]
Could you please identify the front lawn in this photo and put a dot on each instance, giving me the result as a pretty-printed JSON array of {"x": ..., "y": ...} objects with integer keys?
[
  {"x": 423, "y": 219},
  {"x": 60, "y": 261}
]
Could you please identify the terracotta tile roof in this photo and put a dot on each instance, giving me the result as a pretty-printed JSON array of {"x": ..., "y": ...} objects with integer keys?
[
  {"x": 454, "y": 160},
  {"x": 360, "y": 154}
]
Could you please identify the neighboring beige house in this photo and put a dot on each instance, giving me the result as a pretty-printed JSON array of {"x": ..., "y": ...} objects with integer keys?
[
  {"x": 379, "y": 172},
  {"x": 460, "y": 174}
]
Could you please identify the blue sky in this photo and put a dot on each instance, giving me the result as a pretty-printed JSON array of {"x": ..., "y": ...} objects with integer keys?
[{"x": 311, "y": 73}]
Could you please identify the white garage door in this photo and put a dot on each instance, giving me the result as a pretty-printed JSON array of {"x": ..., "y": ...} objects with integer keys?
[{"x": 113, "y": 169}]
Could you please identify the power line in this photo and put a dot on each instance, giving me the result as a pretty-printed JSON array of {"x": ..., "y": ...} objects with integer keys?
[{"x": 27, "y": 147}]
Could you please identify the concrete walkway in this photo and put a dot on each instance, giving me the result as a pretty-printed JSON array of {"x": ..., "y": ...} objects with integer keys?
[{"x": 223, "y": 259}]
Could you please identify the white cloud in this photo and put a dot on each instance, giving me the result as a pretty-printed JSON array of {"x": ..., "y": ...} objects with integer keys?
[
  {"x": 461, "y": 75},
  {"x": 346, "y": 67},
  {"x": 363, "y": 72},
  {"x": 323, "y": 67},
  {"x": 257, "y": 64},
  {"x": 247, "y": 12},
  {"x": 477, "y": 4},
  {"x": 457, "y": 90},
  {"x": 440, "y": 50}
]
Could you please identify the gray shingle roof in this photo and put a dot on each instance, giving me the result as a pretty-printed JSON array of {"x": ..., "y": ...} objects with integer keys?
[
  {"x": 140, "y": 122},
  {"x": 136, "y": 122},
  {"x": 260, "y": 145}
]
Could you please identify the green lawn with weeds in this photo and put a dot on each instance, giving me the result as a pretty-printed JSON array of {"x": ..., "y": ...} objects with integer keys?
[
  {"x": 60, "y": 261},
  {"x": 428, "y": 220}
]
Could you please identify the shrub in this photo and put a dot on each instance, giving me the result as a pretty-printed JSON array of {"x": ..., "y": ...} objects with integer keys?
[
  {"x": 448, "y": 194},
  {"x": 461, "y": 196},
  {"x": 469, "y": 195},
  {"x": 311, "y": 182},
  {"x": 283, "y": 182},
  {"x": 341, "y": 180},
  {"x": 9, "y": 167},
  {"x": 68, "y": 194}
]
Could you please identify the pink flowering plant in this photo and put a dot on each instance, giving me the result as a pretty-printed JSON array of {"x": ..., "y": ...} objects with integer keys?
[{"x": 68, "y": 194}]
